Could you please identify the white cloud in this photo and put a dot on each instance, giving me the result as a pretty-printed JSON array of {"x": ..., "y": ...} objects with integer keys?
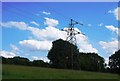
[
  {"x": 101, "y": 24},
  {"x": 14, "y": 47},
  {"x": 115, "y": 12},
  {"x": 35, "y": 58},
  {"x": 113, "y": 29},
  {"x": 82, "y": 40},
  {"x": 33, "y": 22},
  {"x": 89, "y": 25},
  {"x": 51, "y": 22},
  {"x": 107, "y": 61},
  {"x": 50, "y": 33},
  {"x": 84, "y": 45},
  {"x": 46, "y": 13},
  {"x": 110, "y": 47},
  {"x": 7, "y": 54},
  {"x": 35, "y": 45},
  {"x": 45, "y": 59},
  {"x": 19, "y": 25}
]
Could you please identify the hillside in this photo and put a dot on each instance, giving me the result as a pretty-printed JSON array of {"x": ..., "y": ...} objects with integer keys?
[{"x": 26, "y": 72}]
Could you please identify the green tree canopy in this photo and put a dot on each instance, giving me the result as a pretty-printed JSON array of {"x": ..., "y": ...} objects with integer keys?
[
  {"x": 63, "y": 54},
  {"x": 91, "y": 62},
  {"x": 114, "y": 62}
]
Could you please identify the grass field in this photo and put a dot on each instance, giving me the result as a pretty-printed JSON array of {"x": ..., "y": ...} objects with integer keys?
[{"x": 26, "y": 72}]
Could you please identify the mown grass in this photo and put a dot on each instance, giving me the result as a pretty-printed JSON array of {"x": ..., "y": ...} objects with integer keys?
[{"x": 26, "y": 72}]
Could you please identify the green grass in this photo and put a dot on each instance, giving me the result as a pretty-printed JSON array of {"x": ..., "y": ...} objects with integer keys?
[{"x": 26, "y": 72}]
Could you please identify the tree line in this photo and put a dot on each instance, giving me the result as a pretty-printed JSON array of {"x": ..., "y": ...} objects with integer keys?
[
  {"x": 24, "y": 61},
  {"x": 67, "y": 56},
  {"x": 64, "y": 55}
]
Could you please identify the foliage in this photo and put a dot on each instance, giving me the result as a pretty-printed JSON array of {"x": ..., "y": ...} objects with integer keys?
[
  {"x": 16, "y": 60},
  {"x": 61, "y": 54},
  {"x": 24, "y": 61},
  {"x": 114, "y": 62},
  {"x": 40, "y": 63},
  {"x": 60, "y": 57},
  {"x": 91, "y": 62}
]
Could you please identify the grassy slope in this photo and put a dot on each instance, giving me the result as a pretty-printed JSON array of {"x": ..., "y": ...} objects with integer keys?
[{"x": 26, "y": 72}]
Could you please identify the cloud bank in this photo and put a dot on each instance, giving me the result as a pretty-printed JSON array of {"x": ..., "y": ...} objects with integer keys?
[{"x": 44, "y": 37}]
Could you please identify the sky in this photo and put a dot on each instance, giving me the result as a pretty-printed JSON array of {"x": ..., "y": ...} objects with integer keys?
[
  {"x": 60, "y": 1},
  {"x": 28, "y": 28}
]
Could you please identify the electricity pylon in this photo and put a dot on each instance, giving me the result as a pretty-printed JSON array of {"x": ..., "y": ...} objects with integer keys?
[{"x": 71, "y": 32}]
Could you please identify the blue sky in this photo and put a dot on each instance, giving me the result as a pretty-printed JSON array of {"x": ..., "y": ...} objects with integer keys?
[{"x": 26, "y": 26}]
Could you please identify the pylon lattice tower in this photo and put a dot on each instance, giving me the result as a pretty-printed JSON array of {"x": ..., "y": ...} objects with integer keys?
[{"x": 71, "y": 32}]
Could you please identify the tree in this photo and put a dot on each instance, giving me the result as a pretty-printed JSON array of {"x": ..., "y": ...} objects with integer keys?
[
  {"x": 91, "y": 62},
  {"x": 7, "y": 60},
  {"x": 63, "y": 54},
  {"x": 114, "y": 62},
  {"x": 38, "y": 63},
  {"x": 20, "y": 60}
]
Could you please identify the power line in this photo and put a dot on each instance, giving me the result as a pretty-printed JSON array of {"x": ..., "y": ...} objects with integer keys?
[
  {"x": 21, "y": 12},
  {"x": 18, "y": 11},
  {"x": 57, "y": 12}
]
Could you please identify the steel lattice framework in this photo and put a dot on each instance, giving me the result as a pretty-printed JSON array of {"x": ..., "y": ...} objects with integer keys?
[{"x": 71, "y": 32}]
